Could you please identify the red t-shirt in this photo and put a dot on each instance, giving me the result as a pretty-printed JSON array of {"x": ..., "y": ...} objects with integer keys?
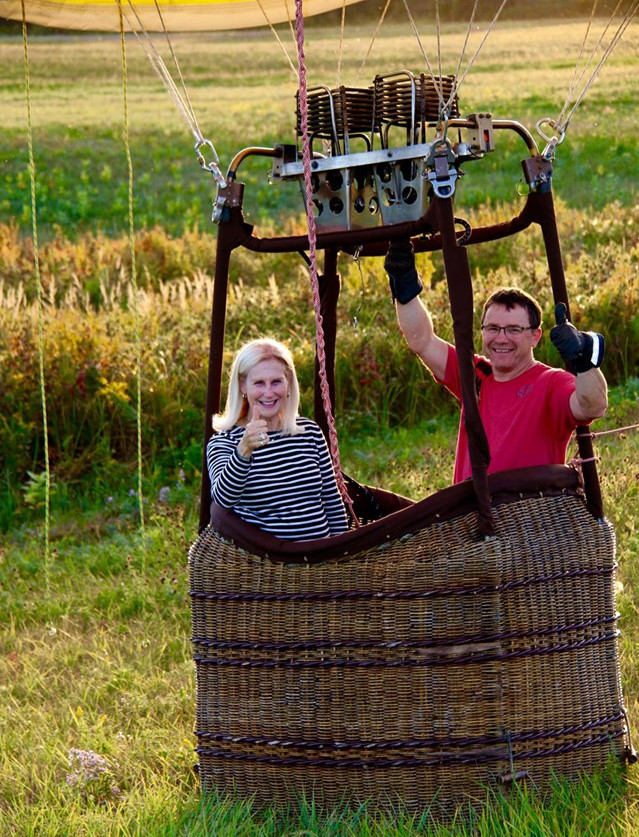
[{"x": 528, "y": 420}]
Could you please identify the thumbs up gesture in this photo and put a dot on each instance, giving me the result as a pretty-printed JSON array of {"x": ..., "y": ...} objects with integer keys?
[
  {"x": 582, "y": 350},
  {"x": 255, "y": 435}
]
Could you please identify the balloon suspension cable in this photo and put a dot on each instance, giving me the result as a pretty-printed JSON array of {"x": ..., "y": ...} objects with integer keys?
[
  {"x": 180, "y": 99},
  {"x": 277, "y": 37},
  {"x": 373, "y": 39},
  {"x": 340, "y": 49},
  {"x": 561, "y": 123},
  {"x": 459, "y": 80},
  {"x": 436, "y": 81},
  {"x": 312, "y": 240},
  {"x": 445, "y": 104}
]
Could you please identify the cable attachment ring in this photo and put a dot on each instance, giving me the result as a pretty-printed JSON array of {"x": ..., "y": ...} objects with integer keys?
[
  {"x": 551, "y": 141},
  {"x": 468, "y": 231},
  {"x": 212, "y": 167}
]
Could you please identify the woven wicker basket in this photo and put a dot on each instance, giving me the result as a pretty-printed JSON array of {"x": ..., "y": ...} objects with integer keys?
[{"x": 416, "y": 672}]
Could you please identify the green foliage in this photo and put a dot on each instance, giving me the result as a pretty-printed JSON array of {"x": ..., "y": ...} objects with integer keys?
[{"x": 90, "y": 337}]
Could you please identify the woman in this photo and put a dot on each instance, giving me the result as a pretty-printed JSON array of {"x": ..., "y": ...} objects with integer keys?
[{"x": 269, "y": 465}]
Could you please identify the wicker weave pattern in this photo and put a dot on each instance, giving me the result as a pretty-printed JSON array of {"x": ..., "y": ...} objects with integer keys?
[{"x": 428, "y": 667}]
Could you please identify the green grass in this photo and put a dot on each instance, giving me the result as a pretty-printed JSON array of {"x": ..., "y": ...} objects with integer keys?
[
  {"x": 524, "y": 72},
  {"x": 94, "y": 640},
  {"x": 96, "y": 657}
]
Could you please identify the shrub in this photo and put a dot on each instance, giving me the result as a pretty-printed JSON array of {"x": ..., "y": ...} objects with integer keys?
[{"x": 90, "y": 334}]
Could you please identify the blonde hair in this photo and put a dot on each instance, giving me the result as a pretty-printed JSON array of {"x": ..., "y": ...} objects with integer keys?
[{"x": 247, "y": 357}]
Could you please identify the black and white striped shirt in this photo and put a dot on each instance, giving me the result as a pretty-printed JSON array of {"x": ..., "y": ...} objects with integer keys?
[{"x": 287, "y": 488}]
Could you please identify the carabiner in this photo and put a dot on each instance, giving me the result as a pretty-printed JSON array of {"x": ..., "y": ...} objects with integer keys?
[
  {"x": 551, "y": 141},
  {"x": 213, "y": 166}
]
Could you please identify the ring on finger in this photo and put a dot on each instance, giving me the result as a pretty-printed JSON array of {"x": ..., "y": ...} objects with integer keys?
[{"x": 261, "y": 438}]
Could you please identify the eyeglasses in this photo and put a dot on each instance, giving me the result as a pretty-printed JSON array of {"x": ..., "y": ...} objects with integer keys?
[{"x": 509, "y": 331}]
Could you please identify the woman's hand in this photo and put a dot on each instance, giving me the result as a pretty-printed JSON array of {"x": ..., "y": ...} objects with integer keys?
[{"x": 255, "y": 435}]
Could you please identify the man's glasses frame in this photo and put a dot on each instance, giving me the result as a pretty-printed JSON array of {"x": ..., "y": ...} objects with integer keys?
[{"x": 509, "y": 330}]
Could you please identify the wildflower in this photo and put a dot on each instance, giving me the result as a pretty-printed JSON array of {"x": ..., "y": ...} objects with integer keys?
[
  {"x": 164, "y": 494},
  {"x": 92, "y": 776}
]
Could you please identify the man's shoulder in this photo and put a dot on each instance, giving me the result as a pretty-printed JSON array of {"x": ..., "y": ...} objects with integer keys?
[{"x": 542, "y": 370}]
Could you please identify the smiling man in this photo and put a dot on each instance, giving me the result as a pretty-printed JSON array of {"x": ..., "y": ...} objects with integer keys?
[{"x": 529, "y": 410}]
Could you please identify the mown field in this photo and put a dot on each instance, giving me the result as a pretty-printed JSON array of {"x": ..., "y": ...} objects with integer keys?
[{"x": 97, "y": 684}]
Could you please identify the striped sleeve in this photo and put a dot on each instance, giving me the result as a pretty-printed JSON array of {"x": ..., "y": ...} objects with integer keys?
[{"x": 228, "y": 471}]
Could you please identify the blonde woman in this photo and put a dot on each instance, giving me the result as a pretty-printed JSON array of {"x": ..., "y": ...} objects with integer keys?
[{"x": 267, "y": 463}]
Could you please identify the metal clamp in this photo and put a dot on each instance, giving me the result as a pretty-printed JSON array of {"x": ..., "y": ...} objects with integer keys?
[{"x": 442, "y": 175}]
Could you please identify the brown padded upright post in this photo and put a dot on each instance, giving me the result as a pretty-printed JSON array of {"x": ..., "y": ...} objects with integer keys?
[
  {"x": 460, "y": 291},
  {"x": 216, "y": 355},
  {"x": 548, "y": 223}
]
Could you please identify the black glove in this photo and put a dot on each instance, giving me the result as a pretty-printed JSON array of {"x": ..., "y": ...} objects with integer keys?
[
  {"x": 582, "y": 350},
  {"x": 402, "y": 275}
]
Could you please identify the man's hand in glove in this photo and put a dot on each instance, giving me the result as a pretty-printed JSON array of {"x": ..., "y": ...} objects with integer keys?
[
  {"x": 402, "y": 275},
  {"x": 581, "y": 350}
]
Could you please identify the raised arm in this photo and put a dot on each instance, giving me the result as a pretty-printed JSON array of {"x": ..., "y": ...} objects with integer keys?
[
  {"x": 414, "y": 319},
  {"x": 590, "y": 398},
  {"x": 583, "y": 353}
]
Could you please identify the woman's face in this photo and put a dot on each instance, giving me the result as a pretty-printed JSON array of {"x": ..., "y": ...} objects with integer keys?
[{"x": 266, "y": 387}]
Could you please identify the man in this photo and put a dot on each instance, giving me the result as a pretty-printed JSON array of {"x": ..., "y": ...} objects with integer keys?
[{"x": 529, "y": 410}]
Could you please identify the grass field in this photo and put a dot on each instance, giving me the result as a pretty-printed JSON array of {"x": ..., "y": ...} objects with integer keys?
[
  {"x": 523, "y": 73},
  {"x": 97, "y": 693}
]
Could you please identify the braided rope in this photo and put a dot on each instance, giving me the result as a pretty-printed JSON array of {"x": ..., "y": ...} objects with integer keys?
[
  {"x": 38, "y": 278},
  {"x": 134, "y": 282},
  {"x": 312, "y": 241}
]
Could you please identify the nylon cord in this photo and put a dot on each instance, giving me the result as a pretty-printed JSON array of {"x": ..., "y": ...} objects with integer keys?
[
  {"x": 134, "y": 286},
  {"x": 373, "y": 39},
  {"x": 38, "y": 278},
  {"x": 623, "y": 25},
  {"x": 340, "y": 49},
  {"x": 277, "y": 37},
  {"x": 312, "y": 239}
]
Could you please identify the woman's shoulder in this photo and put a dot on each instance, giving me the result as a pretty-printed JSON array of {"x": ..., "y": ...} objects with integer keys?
[
  {"x": 307, "y": 424},
  {"x": 223, "y": 436}
]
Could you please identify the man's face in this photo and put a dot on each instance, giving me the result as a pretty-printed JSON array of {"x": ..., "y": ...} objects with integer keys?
[{"x": 510, "y": 353}]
